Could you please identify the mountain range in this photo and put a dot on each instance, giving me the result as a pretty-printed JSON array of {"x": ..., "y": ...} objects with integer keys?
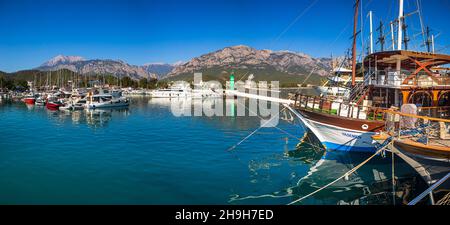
[
  {"x": 284, "y": 66},
  {"x": 96, "y": 66}
]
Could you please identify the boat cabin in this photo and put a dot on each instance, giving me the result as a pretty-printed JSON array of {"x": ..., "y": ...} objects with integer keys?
[{"x": 401, "y": 77}]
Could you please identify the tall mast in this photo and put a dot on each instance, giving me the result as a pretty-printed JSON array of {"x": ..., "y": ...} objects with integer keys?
[
  {"x": 428, "y": 40},
  {"x": 392, "y": 36},
  {"x": 399, "y": 40},
  {"x": 400, "y": 26},
  {"x": 432, "y": 43},
  {"x": 381, "y": 38},
  {"x": 355, "y": 24},
  {"x": 405, "y": 34},
  {"x": 371, "y": 32}
]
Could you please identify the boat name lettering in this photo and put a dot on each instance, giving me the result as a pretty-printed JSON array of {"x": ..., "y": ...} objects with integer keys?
[{"x": 351, "y": 135}]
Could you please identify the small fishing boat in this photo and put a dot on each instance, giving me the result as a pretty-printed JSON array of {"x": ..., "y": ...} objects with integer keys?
[
  {"x": 29, "y": 99},
  {"x": 53, "y": 104}
]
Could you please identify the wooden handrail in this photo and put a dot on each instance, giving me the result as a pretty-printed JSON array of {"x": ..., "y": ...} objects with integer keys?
[
  {"x": 434, "y": 107},
  {"x": 417, "y": 116}
]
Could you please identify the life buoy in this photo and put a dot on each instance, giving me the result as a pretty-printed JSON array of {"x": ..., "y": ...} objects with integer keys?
[{"x": 365, "y": 126}]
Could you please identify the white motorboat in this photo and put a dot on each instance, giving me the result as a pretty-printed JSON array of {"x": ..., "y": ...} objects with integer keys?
[
  {"x": 185, "y": 91},
  {"x": 206, "y": 93},
  {"x": 176, "y": 91},
  {"x": 106, "y": 101},
  {"x": 72, "y": 107}
]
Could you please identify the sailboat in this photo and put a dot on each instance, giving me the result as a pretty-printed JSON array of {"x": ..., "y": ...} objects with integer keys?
[{"x": 391, "y": 78}]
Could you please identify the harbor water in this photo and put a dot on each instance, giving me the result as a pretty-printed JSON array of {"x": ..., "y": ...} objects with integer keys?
[{"x": 144, "y": 154}]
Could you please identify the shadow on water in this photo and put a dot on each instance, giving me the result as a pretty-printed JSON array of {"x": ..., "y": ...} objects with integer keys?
[{"x": 370, "y": 185}]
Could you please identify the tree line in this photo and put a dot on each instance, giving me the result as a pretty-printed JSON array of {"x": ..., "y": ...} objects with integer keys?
[{"x": 68, "y": 78}]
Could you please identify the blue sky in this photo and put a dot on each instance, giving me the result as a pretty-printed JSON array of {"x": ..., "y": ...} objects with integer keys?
[{"x": 138, "y": 32}]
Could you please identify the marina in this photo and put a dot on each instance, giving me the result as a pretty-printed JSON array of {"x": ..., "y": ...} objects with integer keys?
[
  {"x": 124, "y": 156},
  {"x": 239, "y": 125}
]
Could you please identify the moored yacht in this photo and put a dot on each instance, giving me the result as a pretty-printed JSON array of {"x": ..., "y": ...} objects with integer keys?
[
  {"x": 106, "y": 100},
  {"x": 29, "y": 99},
  {"x": 338, "y": 84},
  {"x": 175, "y": 91},
  {"x": 53, "y": 104}
]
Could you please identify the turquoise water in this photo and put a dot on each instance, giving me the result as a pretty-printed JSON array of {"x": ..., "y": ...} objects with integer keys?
[{"x": 146, "y": 155}]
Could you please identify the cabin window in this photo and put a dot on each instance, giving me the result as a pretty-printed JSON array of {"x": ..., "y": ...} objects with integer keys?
[{"x": 421, "y": 99}]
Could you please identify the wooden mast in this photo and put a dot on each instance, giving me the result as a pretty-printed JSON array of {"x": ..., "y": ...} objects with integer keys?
[{"x": 355, "y": 24}]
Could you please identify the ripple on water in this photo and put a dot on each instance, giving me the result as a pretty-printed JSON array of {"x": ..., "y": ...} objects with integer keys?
[{"x": 146, "y": 155}]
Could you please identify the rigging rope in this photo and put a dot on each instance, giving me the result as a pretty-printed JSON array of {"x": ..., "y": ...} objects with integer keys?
[
  {"x": 248, "y": 136},
  {"x": 293, "y": 22}
]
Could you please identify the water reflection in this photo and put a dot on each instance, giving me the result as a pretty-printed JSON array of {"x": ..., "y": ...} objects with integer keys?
[
  {"x": 371, "y": 184},
  {"x": 93, "y": 118},
  {"x": 222, "y": 113},
  {"x": 269, "y": 168}
]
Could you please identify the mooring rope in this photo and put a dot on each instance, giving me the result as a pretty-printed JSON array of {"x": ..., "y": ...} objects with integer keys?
[
  {"x": 445, "y": 200},
  {"x": 252, "y": 133},
  {"x": 386, "y": 144}
]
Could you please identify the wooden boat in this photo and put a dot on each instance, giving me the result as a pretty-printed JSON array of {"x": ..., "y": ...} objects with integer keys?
[
  {"x": 434, "y": 150},
  {"x": 348, "y": 124},
  {"x": 421, "y": 141}
]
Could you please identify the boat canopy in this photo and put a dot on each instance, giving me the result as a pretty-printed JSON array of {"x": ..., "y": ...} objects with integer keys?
[
  {"x": 409, "y": 59},
  {"x": 342, "y": 70},
  {"x": 337, "y": 79}
]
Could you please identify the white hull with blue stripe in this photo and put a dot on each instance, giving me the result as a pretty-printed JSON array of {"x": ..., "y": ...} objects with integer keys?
[{"x": 337, "y": 138}]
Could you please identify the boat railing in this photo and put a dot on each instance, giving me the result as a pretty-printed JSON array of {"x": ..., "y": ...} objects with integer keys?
[
  {"x": 397, "y": 78},
  {"x": 338, "y": 107},
  {"x": 419, "y": 128},
  {"x": 434, "y": 111}
]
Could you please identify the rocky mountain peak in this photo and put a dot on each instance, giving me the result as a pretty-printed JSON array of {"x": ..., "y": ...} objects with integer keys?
[
  {"x": 96, "y": 66},
  {"x": 61, "y": 59},
  {"x": 242, "y": 56}
]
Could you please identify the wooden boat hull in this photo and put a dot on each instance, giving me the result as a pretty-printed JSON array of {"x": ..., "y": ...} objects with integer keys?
[
  {"x": 440, "y": 153},
  {"x": 340, "y": 133},
  {"x": 343, "y": 122},
  {"x": 431, "y": 163}
]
